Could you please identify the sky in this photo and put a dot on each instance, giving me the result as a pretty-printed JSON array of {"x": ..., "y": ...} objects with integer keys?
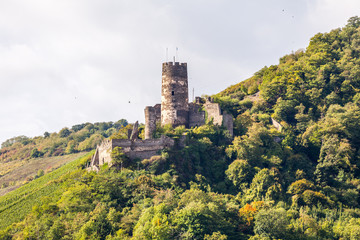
[{"x": 69, "y": 62}]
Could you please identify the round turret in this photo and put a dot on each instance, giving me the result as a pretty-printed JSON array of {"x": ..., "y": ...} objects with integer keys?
[{"x": 174, "y": 94}]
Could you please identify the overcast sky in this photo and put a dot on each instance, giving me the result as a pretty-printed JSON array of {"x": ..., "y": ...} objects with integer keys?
[{"x": 73, "y": 61}]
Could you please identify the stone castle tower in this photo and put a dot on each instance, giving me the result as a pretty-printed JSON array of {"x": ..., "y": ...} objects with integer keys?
[
  {"x": 175, "y": 108},
  {"x": 174, "y": 94}
]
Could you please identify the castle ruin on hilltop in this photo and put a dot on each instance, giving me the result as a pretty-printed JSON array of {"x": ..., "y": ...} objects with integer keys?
[{"x": 174, "y": 109}]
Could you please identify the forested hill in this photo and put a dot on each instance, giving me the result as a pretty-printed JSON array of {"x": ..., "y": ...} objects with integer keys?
[
  {"x": 298, "y": 180},
  {"x": 327, "y": 73},
  {"x": 78, "y": 138}
]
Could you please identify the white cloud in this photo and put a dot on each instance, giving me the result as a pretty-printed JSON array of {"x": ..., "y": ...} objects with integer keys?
[{"x": 67, "y": 62}]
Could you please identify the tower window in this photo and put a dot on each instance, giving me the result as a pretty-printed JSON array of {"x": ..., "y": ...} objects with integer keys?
[{"x": 172, "y": 93}]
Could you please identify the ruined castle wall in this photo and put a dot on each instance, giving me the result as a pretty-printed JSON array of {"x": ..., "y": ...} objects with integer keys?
[
  {"x": 152, "y": 116},
  {"x": 104, "y": 151},
  {"x": 196, "y": 116},
  {"x": 214, "y": 112},
  {"x": 143, "y": 148},
  {"x": 228, "y": 123},
  {"x": 95, "y": 158},
  {"x": 174, "y": 94}
]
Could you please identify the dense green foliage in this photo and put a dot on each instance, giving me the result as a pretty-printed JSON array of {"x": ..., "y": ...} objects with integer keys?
[
  {"x": 81, "y": 137},
  {"x": 297, "y": 181}
]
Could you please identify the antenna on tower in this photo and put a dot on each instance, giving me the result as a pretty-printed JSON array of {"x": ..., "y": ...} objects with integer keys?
[
  {"x": 193, "y": 94},
  {"x": 177, "y": 57},
  {"x": 167, "y": 51}
]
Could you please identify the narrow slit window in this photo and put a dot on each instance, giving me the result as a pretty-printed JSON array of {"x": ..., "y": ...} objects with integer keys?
[{"x": 172, "y": 93}]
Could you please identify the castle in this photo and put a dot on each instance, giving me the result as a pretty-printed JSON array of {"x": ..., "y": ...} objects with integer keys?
[{"x": 174, "y": 109}]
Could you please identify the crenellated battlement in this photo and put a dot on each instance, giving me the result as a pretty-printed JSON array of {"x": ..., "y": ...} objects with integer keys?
[
  {"x": 174, "y": 71},
  {"x": 174, "y": 64}
]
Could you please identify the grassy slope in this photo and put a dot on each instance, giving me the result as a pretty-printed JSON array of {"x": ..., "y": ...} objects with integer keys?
[
  {"x": 16, "y": 172},
  {"x": 19, "y": 202}
]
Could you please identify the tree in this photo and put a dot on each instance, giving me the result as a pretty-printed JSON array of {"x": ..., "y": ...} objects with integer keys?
[
  {"x": 271, "y": 223},
  {"x": 335, "y": 158},
  {"x": 70, "y": 147},
  {"x": 121, "y": 123},
  {"x": 265, "y": 185},
  {"x": 353, "y": 22},
  {"x": 239, "y": 172},
  {"x": 123, "y": 132},
  {"x": 300, "y": 186},
  {"x": 154, "y": 223},
  {"x": 285, "y": 110},
  {"x": 64, "y": 132},
  {"x": 98, "y": 227},
  {"x": 78, "y": 127},
  {"x": 35, "y": 153}
]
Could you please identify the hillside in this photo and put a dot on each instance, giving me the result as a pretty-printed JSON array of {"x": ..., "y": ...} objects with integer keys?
[
  {"x": 78, "y": 138},
  {"x": 18, "y": 172},
  {"x": 19, "y": 202},
  {"x": 290, "y": 172},
  {"x": 23, "y": 158}
]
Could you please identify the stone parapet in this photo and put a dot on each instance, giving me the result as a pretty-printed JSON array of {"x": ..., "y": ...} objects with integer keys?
[{"x": 142, "y": 149}]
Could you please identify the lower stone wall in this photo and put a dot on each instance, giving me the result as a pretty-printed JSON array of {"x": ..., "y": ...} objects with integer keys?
[
  {"x": 228, "y": 122},
  {"x": 102, "y": 154},
  {"x": 142, "y": 149}
]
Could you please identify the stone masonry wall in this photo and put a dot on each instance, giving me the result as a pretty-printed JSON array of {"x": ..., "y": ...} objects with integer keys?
[
  {"x": 102, "y": 155},
  {"x": 196, "y": 116},
  {"x": 105, "y": 152},
  {"x": 214, "y": 112},
  {"x": 152, "y": 116},
  {"x": 142, "y": 149},
  {"x": 228, "y": 122}
]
